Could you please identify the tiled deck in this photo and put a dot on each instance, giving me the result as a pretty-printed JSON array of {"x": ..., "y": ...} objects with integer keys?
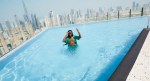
[{"x": 141, "y": 68}]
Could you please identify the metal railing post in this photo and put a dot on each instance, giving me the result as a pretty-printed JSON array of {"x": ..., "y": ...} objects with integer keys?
[
  {"x": 142, "y": 12},
  {"x": 130, "y": 13},
  {"x": 118, "y": 14},
  {"x": 107, "y": 15}
]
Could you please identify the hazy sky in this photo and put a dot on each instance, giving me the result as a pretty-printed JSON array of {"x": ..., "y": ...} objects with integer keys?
[{"x": 8, "y": 8}]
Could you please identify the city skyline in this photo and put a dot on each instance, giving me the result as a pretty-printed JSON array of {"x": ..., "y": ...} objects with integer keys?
[{"x": 42, "y": 8}]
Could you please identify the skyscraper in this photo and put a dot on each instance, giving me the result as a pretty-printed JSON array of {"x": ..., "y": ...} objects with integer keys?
[
  {"x": 20, "y": 28},
  {"x": 26, "y": 17},
  {"x": 8, "y": 25},
  {"x": 58, "y": 20},
  {"x": 137, "y": 6},
  {"x": 3, "y": 43},
  {"x": 35, "y": 22},
  {"x": 8, "y": 29},
  {"x": 133, "y": 5},
  {"x": 88, "y": 13},
  {"x": 51, "y": 17},
  {"x": 17, "y": 21},
  {"x": 1, "y": 28},
  {"x": 100, "y": 10}
]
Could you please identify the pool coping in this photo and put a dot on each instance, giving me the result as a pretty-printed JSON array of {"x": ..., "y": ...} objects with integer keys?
[{"x": 124, "y": 68}]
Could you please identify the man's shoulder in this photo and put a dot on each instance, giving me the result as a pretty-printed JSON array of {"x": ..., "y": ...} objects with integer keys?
[{"x": 75, "y": 36}]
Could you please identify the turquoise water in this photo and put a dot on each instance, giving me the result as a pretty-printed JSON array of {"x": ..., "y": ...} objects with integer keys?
[{"x": 99, "y": 51}]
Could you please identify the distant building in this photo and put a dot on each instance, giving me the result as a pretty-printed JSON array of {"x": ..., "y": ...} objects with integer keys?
[
  {"x": 58, "y": 20},
  {"x": 72, "y": 12},
  {"x": 1, "y": 27},
  {"x": 119, "y": 8},
  {"x": 51, "y": 15},
  {"x": 61, "y": 19},
  {"x": 111, "y": 9},
  {"x": 133, "y": 5},
  {"x": 35, "y": 22},
  {"x": 68, "y": 19},
  {"x": 8, "y": 25},
  {"x": 17, "y": 24},
  {"x": 20, "y": 28},
  {"x": 3, "y": 43},
  {"x": 77, "y": 14},
  {"x": 26, "y": 16},
  {"x": 8, "y": 29},
  {"x": 100, "y": 10},
  {"x": 88, "y": 13},
  {"x": 137, "y": 6}
]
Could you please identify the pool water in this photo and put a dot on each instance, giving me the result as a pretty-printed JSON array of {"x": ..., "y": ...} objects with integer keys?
[{"x": 101, "y": 48}]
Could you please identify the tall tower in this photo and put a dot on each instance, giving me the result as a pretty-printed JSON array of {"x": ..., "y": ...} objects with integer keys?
[
  {"x": 133, "y": 5},
  {"x": 35, "y": 21},
  {"x": 26, "y": 17},
  {"x": 19, "y": 28},
  {"x": 8, "y": 25},
  {"x": 1, "y": 28},
  {"x": 51, "y": 17}
]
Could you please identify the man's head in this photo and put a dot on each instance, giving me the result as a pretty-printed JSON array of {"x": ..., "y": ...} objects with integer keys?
[{"x": 70, "y": 33}]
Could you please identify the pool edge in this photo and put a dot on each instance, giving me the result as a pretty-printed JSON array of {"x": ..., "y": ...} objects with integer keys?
[{"x": 122, "y": 71}]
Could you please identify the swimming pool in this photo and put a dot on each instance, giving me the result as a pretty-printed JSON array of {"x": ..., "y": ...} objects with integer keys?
[{"x": 100, "y": 50}]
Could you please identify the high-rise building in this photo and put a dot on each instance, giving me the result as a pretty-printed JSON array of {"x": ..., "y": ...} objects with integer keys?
[
  {"x": 78, "y": 14},
  {"x": 35, "y": 22},
  {"x": 68, "y": 19},
  {"x": 1, "y": 27},
  {"x": 119, "y": 8},
  {"x": 8, "y": 25},
  {"x": 29, "y": 28},
  {"x": 3, "y": 43},
  {"x": 137, "y": 6},
  {"x": 61, "y": 19},
  {"x": 17, "y": 21},
  {"x": 133, "y": 5},
  {"x": 111, "y": 9},
  {"x": 72, "y": 12},
  {"x": 51, "y": 15},
  {"x": 17, "y": 24},
  {"x": 20, "y": 24},
  {"x": 8, "y": 29},
  {"x": 100, "y": 10},
  {"x": 20, "y": 28},
  {"x": 58, "y": 20},
  {"x": 88, "y": 14},
  {"x": 26, "y": 16}
]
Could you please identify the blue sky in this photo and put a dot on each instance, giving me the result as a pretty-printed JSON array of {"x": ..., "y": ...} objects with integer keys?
[{"x": 8, "y": 8}]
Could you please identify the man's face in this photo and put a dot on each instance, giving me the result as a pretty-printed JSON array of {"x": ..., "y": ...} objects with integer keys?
[{"x": 70, "y": 33}]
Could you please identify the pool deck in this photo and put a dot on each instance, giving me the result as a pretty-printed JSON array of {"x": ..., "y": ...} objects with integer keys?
[
  {"x": 135, "y": 66},
  {"x": 141, "y": 68}
]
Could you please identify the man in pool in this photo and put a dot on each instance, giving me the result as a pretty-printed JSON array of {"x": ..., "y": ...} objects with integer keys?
[{"x": 70, "y": 39}]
